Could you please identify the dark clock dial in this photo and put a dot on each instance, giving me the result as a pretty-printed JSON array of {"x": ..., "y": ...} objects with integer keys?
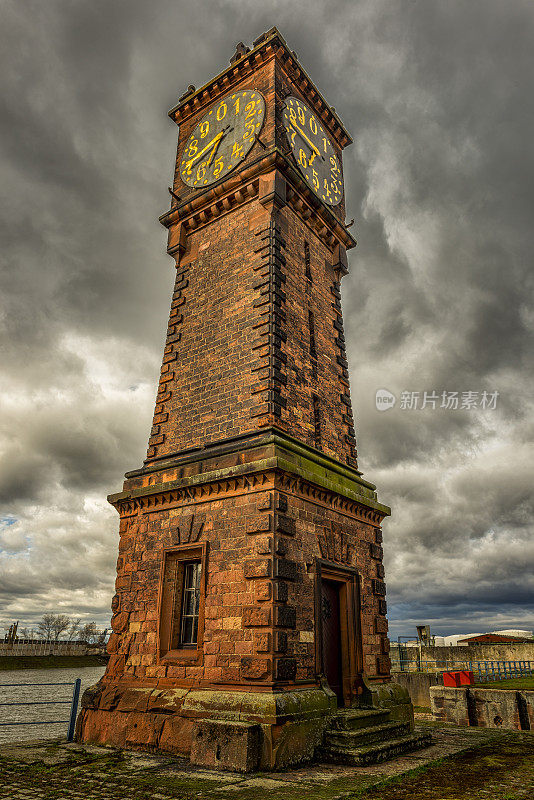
[
  {"x": 313, "y": 151},
  {"x": 222, "y": 138}
]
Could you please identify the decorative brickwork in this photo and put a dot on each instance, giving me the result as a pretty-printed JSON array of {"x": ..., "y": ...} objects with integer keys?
[{"x": 250, "y": 480}]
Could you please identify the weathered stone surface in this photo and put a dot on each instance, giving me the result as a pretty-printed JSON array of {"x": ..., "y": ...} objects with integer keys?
[
  {"x": 285, "y": 568},
  {"x": 110, "y": 697},
  {"x": 91, "y": 696},
  {"x": 285, "y": 616},
  {"x": 527, "y": 708},
  {"x": 255, "y": 669},
  {"x": 104, "y": 727},
  {"x": 176, "y": 735},
  {"x": 258, "y": 568},
  {"x": 119, "y": 622},
  {"x": 256, "y": 616},
  {"x": 134, "y": 699},
  {"x": 493, "y": 708},
  {"x": 113, "y": 643},
  {"x": 285, "y": 669},
  {"x": 225, "y": 744},
  {"x": 166, "y": 701},
  {"x": 484, "y": 708},
  {"x": 143, "y": 729}
]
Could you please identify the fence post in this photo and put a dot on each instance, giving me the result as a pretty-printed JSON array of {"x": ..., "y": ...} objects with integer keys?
[{"x": 74, "y": 709}]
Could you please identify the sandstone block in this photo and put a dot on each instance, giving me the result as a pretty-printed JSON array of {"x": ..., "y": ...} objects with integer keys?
[
  {"x": 255, "y": 669},
  {"x": 225, "y": 744},
  {"x": 256, "y": 616}
]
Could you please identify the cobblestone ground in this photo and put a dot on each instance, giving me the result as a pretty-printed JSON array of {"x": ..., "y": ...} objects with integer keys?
[{"x": 462, "y": 764}]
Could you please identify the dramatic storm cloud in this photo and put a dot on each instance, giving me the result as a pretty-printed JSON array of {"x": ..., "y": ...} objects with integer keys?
[{"x": 440, "y": 180}]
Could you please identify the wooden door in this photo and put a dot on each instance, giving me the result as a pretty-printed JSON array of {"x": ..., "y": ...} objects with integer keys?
[{"x": 332, "y": 651}]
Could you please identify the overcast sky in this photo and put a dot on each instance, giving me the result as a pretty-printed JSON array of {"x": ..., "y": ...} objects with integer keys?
[{"x": 438, "y": 97}]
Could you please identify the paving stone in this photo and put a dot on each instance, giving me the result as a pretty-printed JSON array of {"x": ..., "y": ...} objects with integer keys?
[{"x": 108, "y": 777}]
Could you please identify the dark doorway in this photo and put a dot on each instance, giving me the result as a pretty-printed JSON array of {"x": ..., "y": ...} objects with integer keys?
[{"x": 332, "y": 637}]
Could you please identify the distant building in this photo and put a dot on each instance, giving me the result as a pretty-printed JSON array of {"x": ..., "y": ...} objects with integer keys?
[
  {"x": 492, "y": 638},
  {"x": 516, "y": 633},
  {"x": 461, "y": 639}
]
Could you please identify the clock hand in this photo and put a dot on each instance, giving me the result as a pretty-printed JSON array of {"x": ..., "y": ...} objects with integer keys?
[
  {"x": 226, "y": 130},
  {"x": 216, "y": 139},
  {"x": 309, "y": 141},
  {"x": 213, "y": 151}
]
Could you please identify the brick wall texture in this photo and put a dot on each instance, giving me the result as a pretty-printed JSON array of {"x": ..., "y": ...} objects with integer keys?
[
  {"x": 252, "y": 341},
  {"x": 260, "y": 596}
]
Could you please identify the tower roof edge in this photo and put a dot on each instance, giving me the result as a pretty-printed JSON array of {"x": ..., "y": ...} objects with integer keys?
[{"x": 267, "y": 45}]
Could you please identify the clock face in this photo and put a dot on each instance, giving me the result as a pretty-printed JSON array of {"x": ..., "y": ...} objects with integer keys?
[
  {"x": 222, "y": 138},
  {"x": 313, "y": 151}
]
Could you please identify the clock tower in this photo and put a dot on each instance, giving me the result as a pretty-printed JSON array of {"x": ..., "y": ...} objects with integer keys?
[{"x": 249, "y": 620}]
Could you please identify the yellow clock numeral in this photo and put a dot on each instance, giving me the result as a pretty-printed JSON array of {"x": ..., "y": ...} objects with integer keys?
[
  {"x": 313, "y": 156},
  {"x": 301, "y": 115},
  {"x": 326, "y": 187},
  {"x": 292, "y": 115},
  {"x": 250, "y": 108},
  {"x": 315, "y": 179},
  {"x": 214, "y": 147},
  {"x": 302, "y": 158},
  {"x": 325, "y": 142},
  {"x": 313, "y": 125},
  {"x": 237, "y": 150},
  {"x": 249, "y": 131}
]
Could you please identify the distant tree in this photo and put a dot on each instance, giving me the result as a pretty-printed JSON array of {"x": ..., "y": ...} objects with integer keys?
[
  {"x": 74, "y": 629},
  {"x": 102, "y": 636},
  {"x": 46, "y": 626},
  {"x": 53, "y": 625},
  {"x": 60, "y": 625},
  {"x": 89, "y": 632}
]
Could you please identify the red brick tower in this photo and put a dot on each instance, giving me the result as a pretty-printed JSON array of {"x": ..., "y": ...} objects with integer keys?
[{"x": 250, "y": 600}]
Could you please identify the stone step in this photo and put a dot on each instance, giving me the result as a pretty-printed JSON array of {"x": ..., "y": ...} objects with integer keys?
[
  {"x": 355, "y": 718},
  {"x": 365, "y": 736},
  {"x": 374, "y": 753}
]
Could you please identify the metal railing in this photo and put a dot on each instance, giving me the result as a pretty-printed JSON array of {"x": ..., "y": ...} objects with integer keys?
[
  {"x": 501, "y": 670},
  {"x": 482, "y": 670},
  {"x": 73, "y": 702}
]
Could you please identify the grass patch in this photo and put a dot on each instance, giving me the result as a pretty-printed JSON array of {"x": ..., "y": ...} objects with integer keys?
[
  {"x": 501, "y": 770},
  {"x": 516, "y": 684},
  {"x": 50, "y": 662}
]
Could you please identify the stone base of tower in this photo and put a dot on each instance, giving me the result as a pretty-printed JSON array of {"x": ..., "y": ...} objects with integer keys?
[
  {"x": 291, "y": 617},
  {"x": 243, "y": 731}
]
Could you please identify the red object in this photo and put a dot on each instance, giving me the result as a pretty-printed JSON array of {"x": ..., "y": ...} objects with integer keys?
[
  {"x": 461, "y": 677},
  {"x": 466, "y": 677}
]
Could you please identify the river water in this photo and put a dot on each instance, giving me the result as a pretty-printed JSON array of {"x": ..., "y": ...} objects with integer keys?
[{"x": 23, "y": 692}]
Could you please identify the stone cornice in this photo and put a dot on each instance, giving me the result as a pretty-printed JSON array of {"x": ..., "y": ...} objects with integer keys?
[
  {"x": 159, "y": 498},
  {"x": 268, "y": 46},
  {"x": 281, "y": 461},
  {"x": 241, "y": 187}
]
